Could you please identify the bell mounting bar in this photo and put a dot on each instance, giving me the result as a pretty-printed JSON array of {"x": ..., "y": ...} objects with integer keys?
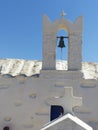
[{"x": 62, "y": 37}]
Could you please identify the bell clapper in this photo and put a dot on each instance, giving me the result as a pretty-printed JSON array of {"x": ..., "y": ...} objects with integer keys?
[{"x": 61, "y": 53}]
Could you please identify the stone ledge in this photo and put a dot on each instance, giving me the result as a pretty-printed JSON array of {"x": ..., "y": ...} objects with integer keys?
[
  {"x": 60, "y": 74},
  {"x": 88, "y": 84}
]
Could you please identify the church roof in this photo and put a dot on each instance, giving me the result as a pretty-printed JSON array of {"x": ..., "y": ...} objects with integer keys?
[
  {"x": 65, "y": 117},
  {"x": 15, "y": 67}
]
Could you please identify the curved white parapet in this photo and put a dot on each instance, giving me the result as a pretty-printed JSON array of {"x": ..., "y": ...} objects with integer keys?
[{"x": 15, "y": 67}]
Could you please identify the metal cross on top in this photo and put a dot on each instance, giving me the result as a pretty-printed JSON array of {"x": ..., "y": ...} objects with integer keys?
[
  {"x": 63, "y": 14},
  {"x": 68, "y": 101}
]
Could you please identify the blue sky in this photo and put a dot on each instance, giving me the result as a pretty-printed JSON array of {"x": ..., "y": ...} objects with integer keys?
[{"x": 21, "y": 26}]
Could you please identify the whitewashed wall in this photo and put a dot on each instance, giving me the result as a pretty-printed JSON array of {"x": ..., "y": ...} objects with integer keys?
[{"x": 23, "y": 100}]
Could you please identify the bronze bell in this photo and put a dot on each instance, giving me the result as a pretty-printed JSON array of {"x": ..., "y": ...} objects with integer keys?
[{"x": 61, "y": 42}]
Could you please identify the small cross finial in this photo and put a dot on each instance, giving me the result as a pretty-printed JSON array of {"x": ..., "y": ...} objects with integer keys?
[{"x": 63, "y": 14}]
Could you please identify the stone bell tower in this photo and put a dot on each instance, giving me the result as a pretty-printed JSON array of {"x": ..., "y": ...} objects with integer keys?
[{"x": 74, "y": 42}]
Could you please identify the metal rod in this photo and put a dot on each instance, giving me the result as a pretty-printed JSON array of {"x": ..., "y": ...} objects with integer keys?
[{"x": 62, "y": 36}]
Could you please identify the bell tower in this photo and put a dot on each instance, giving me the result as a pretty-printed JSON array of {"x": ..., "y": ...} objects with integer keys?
[{"x": 74, "y": 31}]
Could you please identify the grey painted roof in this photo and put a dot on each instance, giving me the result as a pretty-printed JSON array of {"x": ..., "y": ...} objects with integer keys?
[
  {"x": 60, "y": 120},
  {"x": 15, "y": 67}
]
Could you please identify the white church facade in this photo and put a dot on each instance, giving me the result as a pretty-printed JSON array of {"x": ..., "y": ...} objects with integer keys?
[{"x": 38, "y": 95}]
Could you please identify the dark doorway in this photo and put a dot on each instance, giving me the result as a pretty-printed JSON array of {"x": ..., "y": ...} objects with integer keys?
[
  {"x": 56, "y": 111},
  {"x": 6, "y": 128}
]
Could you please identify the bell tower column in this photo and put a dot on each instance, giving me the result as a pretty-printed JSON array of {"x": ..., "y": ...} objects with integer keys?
[
  {"x": 75, "y": 49},
  {"x": 49, "y": 54}
]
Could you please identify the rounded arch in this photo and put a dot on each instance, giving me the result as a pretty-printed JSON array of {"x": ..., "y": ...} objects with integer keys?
[{"x": 62, "y": 24}]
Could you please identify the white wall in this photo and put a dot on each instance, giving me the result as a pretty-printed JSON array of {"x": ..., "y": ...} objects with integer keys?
[{"x": 23, "y": 100}]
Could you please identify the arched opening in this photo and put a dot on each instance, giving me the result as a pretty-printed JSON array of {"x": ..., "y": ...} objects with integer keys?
[
  {"x": 6, "y": 128},
  {"x": 56, "y": 111},
  {"x": 61, "y": 51}
]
